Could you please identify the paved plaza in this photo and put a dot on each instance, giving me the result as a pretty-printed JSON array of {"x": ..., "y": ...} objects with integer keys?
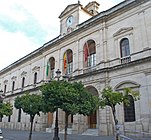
[{"x": 23, "y": 135}]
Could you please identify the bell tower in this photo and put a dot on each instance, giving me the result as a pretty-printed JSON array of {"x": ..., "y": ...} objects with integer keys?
[{"x": 75, "y": 14}]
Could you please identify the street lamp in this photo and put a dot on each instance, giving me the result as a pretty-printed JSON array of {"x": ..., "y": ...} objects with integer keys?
[
  {"x": 56, "y": 137},
  {"x": 56, "y": 129}
]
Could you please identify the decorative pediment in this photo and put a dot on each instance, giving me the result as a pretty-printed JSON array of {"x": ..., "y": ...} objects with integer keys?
[
  {"x": 123, "y": 30},
  {"x": 127, "y": 84},
  {"x": 14, "y": 77},
  {"x": 5, "y": 81},
  {"x": 23, "y": 73},
  {"x": 68, "y": 8},
  {"x": 36, "y": 68}
]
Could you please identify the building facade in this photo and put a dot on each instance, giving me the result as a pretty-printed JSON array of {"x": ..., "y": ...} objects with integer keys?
[{"x": 110, "y": 48}]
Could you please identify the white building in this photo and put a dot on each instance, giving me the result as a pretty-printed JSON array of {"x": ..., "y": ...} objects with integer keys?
[{"x": 110, "y": 48}]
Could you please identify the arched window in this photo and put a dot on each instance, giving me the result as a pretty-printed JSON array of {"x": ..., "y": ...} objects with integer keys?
[
  {"x": 89, "y": 54},
  {"x": 13, "y": 86},
  {"x": 23, "y": 82},
  {"x": 50, "y": 68},
  {"x": 68, "y": 62},
  {"x": 125, "y": 50},
  {"x": 35, "y": 77},
  {"x": 129, "y": 111}
]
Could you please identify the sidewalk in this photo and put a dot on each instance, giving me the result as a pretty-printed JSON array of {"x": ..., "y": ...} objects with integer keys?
[{"x": 23, "y": 135}]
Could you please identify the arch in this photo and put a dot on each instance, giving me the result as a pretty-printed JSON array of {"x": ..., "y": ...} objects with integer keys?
[
  {"x": 93, "y": 90},
  {"x": 68, "y": 61},
  {"x": 93, "y": 118},
  {"x": 124, "y": 84},
  {"x": 89, "y": 53},
  {"x": 129, "y": 111}
]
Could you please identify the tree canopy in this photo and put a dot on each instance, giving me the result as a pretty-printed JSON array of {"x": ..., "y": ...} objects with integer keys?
[
  {"x": 31, "y": 104},
  {"x": 112, "y": 98},
  {"x": 5, "y": 109},
  {"x": 72, "y": 98}
]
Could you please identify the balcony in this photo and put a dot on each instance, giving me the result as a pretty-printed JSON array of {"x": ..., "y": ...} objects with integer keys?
[{"x": 125, "y": 60}]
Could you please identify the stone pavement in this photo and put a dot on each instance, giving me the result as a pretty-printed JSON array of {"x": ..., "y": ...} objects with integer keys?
[{"x": 23, "y": 135}]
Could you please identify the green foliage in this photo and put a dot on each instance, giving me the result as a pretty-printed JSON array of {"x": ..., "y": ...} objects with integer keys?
[
  {"x": 112, "y": 98},
  {"x": 72, "y": 98},
  {"x": 30, "y": 104},
  {"x": 6, "y": 109}
]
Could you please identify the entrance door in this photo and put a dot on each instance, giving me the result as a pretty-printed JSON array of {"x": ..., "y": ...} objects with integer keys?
[
  {"x": 92, "y": 120},
  {"x": 50, "y": 119}
]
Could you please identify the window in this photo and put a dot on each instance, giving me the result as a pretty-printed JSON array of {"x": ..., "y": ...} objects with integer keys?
[
  {"x": 129, "y": 111},
  {"x": 50, "y": 70},
  {"x": 9, "y": 118},
  {"x": 125, "y": 51},
  {"x": 5, "y": 87},
  {"x": 19, "y": 115},
  {"x": 13, "y": 86},
  {"x": 52, "y": 67},
  {"x": 89, "y": 54},
  {"x": 68, "y": 61},
  {"x": 23, "y": 82},
  {"x": 35, "y": 78}
]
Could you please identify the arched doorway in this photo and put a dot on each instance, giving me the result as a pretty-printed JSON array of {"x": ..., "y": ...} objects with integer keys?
[{"x": 93, "y": 118}]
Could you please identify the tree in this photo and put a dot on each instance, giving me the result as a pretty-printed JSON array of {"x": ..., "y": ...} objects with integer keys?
[
  {"x": 5, "y": 109},
  {"x": 31, "y": 104},
  {"x": 72, "y": 98},
  {"x": 112, "y": 98}
]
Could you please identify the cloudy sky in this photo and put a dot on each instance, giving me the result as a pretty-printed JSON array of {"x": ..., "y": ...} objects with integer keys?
[{"x": 26, "y": 25}]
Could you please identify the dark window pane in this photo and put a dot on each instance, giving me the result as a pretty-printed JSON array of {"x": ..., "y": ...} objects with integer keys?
[{"x": 129, "y": 111}]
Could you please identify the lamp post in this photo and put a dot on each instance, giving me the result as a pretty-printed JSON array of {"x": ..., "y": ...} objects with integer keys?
[
  {"x": 56, "y": 132},
  {"x": 56, "y": 129}
]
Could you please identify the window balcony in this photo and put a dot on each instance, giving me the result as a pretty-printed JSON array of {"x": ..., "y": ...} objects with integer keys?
[{"x": 125, "y": 60}]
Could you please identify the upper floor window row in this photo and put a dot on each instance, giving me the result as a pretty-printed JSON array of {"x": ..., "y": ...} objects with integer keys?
[{"x": 89, "y": 59}]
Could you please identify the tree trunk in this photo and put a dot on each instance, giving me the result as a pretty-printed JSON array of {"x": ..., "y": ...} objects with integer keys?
[
  {"x": 116, "y": 123},
  {"x": 31, "y": 125},
  {"x": 114, "y": 115},
  {"x": 66, "y": 125}
]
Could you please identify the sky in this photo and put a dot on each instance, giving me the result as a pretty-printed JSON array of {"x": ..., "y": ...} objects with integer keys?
[{"x": 25, "y": 25}]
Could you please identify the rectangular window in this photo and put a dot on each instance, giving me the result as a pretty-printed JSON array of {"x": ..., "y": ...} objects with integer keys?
[
  {"x": 70, "y": 68},
  {"x": 19, "y": 115},
  {"x": 52, "y": 74},
  {"x": 9, "y": 118},
  {"x": 92, "y": 60}
]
